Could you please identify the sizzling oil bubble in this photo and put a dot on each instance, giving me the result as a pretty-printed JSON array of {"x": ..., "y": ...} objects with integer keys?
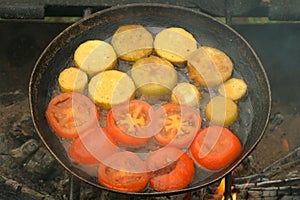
[{"x": 241, "y": 127}]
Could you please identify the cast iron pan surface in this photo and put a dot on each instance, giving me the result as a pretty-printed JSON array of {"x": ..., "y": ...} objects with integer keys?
[{"x": 206, "y": 30}]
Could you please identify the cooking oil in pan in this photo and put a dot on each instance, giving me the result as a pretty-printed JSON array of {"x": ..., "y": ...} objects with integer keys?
[{"x": 241, "y": 127}]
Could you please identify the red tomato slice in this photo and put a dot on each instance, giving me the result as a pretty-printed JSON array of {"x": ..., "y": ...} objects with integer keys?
[
  {"x": 123, "y": 171},
  {"x": 178, "y": 125},
  {"x": 71, "y": 113},
  {"x": 92, "y": 147},
  {"x": 170, "y": 169},
  {"x": 130, "y": 123},
  {"x": 215, "y": 147}
]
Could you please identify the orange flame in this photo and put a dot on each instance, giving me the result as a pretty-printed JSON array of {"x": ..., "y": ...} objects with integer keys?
[
  {"x": 234, "y": 196},
  {"x": 221, "y": 189}
]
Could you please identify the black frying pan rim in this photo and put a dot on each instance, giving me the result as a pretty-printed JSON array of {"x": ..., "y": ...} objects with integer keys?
[{"x": 229, "y": 169}]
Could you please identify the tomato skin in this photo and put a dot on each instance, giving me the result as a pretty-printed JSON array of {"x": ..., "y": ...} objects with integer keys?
[
  {"x": 71, "y": 113},
  {"x": 92, "y": 147},
  {"x": 215, "y": 148},
  {"x": 123, "y": 171},
  {"x": 138, "y": 110},
  {"x": 170, "y": 169},
  {"x": 178, "y": 124}
]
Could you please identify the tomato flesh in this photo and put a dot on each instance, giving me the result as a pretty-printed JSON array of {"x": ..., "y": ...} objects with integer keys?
[
  {"x": 170, "y": 169},
  {"x": 178, "y": 125},
  {"x": 123, "y": 171},
  {"x": 130, "y": 123},
  {"x": 92, "y": 147},
  {"x": 215, "y": 148},
  {"x": 71, "y": 113}
]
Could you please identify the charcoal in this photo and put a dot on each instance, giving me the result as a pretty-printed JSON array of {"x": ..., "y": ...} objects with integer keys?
[
  {"x": 41, "y": 164},
  {"x": 24, "y": 126},
  {"x": 25, "y": 150},
  {"x": 11, "y": 98}
]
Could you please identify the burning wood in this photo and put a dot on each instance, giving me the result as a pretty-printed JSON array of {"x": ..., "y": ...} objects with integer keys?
[
  {"x": 262, "y": 185},
  {"x": 266, "y": 184},
  {"x": 271, "y": 183},
  {"x": 287, "y": 192},
  {"x": 256, "y": 189}
]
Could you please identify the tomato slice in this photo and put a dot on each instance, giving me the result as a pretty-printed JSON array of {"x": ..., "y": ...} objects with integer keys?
[
  {"x": 178, "y": 124},
  {"x": 123, "y": 171},
  {"x": 71, "y": 113},
  {"x": 170, "y": 169},
  {"x": 215, "y": 147},
  {"x": 130, "y": 123},
  {"x": 92, "y": 147}
]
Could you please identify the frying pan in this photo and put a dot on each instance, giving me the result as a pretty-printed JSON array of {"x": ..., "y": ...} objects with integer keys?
[{"x": 207, "y": 31}]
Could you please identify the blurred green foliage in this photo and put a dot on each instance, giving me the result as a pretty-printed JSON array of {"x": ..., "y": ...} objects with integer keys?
[
  {"x": 254, "y": 20},
  {"x": 62, "y": 19}
]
